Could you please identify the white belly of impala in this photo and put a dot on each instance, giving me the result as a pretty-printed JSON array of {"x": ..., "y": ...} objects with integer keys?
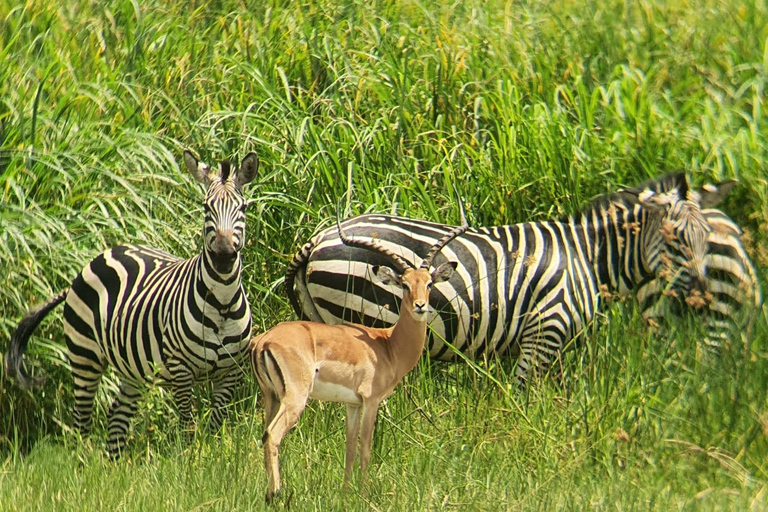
[{"x": 329, "y": 392}]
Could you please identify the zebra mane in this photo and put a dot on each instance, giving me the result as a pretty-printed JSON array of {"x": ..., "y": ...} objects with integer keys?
[
  {"x": 665, "y": 183},
  {"x": 629, "y": 196},
  {"x": 226, "y": 169}
]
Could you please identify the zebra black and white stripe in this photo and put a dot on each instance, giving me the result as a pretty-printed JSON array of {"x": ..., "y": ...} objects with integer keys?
[
  {"x": 523, "y": 290},
  {"x": 732, "y": 287},
  {"x": 156, "y": 318}
]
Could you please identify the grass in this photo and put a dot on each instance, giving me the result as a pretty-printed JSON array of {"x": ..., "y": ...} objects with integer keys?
[{"x": 529, "y": 109}]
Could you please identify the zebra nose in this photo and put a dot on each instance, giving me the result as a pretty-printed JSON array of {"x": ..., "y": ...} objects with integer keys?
[{"x": 223, "y": 245}]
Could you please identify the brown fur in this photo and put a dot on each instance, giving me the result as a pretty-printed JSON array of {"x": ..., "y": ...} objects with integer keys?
[{"x": 365, "y": 365}]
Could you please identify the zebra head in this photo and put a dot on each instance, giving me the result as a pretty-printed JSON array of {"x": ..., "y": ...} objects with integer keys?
[
  {"x": 224, "y": 228},
  {"x": 681, "y": 233}
]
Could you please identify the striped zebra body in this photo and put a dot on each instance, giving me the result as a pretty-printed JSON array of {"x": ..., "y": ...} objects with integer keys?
[
  {"x": 523, "y": 290},
  {"x": 731, "y": 281},
  {"x": 155, "y": 318}
]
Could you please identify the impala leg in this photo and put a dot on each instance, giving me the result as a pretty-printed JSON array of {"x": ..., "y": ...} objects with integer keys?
[
  {"x": 353, "y": 434},
  {"x": 271, "y": 403},
  {"x": 284, "y": 420},
  {"x": 366, "y": 436}
]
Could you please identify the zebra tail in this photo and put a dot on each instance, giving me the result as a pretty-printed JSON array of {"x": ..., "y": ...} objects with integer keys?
[
  {"x": 14, "y": 366},
  {"x": 298, "y": 264}
]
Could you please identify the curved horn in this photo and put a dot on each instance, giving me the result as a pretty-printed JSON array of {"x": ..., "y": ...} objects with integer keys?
[
  {"x": 427, "y": 261},
  {"x": 366, "y": 244}
]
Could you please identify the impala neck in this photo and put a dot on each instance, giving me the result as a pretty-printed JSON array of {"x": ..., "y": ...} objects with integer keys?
[{"x": 406, "y": 342}]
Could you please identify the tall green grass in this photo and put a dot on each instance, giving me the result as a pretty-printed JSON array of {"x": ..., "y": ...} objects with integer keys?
[{"x": 528, "y": 109}]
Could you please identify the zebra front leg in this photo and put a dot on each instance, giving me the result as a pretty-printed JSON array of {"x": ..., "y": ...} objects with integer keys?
[
  {"x": 181, "y": 382},
  {"x": 222, "y": 396},
  {"x": 537, "y": 355},
  {"x": 120, "y": 413}
]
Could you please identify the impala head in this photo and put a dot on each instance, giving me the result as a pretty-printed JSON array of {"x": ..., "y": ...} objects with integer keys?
[
  {"x": 682, "y": 233},
  {"x": 224, "y": 228},
  {"x": 416, "y": 283}
]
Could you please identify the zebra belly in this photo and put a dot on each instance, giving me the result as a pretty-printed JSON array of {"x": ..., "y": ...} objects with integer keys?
[
  {"x": 496, "y": 299},
  {"x": 112, "y": 313},
  {"x": 467, "y": 312},
  {"x": 131, "y": 308}
]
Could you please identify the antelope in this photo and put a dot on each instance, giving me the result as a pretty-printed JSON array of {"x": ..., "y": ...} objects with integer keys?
[{"x": 350, "y": 363}]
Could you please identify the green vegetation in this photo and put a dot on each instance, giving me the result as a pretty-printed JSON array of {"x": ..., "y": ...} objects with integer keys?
[{"x": 529, "y": 108}]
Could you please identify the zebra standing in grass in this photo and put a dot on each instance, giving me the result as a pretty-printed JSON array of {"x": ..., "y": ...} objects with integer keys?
[
  {"x": 523, "y": 290},
  {"x": 733, "y": 292},
  {"x": 157, "y": 318}
]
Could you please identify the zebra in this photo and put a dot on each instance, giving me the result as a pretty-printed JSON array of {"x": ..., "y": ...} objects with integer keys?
[
  {"x": 523, "y": 290},
  {"x": 732, "y": 286},
  {"x": 156, "y": 318}
]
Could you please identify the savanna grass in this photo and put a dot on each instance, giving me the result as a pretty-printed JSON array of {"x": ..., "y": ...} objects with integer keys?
[{"x": 528, "y": 109}]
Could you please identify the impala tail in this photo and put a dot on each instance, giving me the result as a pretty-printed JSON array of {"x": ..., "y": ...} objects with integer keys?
[{"x": 14, "y": 366}]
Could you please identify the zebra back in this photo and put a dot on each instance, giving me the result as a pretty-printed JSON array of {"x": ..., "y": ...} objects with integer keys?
[{"x": 509, "y": 277}]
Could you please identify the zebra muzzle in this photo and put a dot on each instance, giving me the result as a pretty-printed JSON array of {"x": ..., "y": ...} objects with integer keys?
[{"x": 223, "y": 252}]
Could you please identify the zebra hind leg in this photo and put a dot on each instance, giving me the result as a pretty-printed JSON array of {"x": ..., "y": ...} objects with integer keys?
[
  {"x": 120, "y": 413},
  {"x": 86, "y": 386}
]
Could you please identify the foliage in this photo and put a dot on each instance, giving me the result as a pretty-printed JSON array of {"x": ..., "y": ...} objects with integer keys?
[{"x": 528, "y": 108}]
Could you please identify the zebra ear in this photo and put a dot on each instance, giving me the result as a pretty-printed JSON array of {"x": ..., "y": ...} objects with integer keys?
[
  {"x": 678, "y": 181},
  {"x": 386, "y": 275},
  {"x": 198, "y": 170},
  {"x": 656, "y": 202},
  {"x": 248, "y": 169},
  {"x": 711, "y": 195}
]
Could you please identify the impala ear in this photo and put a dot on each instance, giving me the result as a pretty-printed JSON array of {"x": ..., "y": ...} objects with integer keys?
[
  {"x": 444, "y": 271},
  {"x": 386, "y": 275},
  {"x": 198, "y": 170},
  {"x": 248, "y": 169},
  {"x": 711, "y": 195}
]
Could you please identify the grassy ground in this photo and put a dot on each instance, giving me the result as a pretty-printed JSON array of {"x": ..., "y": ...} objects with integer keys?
[{"x": 529, "y": 108}]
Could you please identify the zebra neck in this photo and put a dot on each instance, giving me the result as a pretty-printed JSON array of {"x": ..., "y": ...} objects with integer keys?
[
  {"x": 220, "y": 290},
  {"x": 406, "y": 343},
  {"x": 617, "y": 235}
]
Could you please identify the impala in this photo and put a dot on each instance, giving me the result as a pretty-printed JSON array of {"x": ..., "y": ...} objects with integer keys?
[{"x": 353, "y": 364}]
